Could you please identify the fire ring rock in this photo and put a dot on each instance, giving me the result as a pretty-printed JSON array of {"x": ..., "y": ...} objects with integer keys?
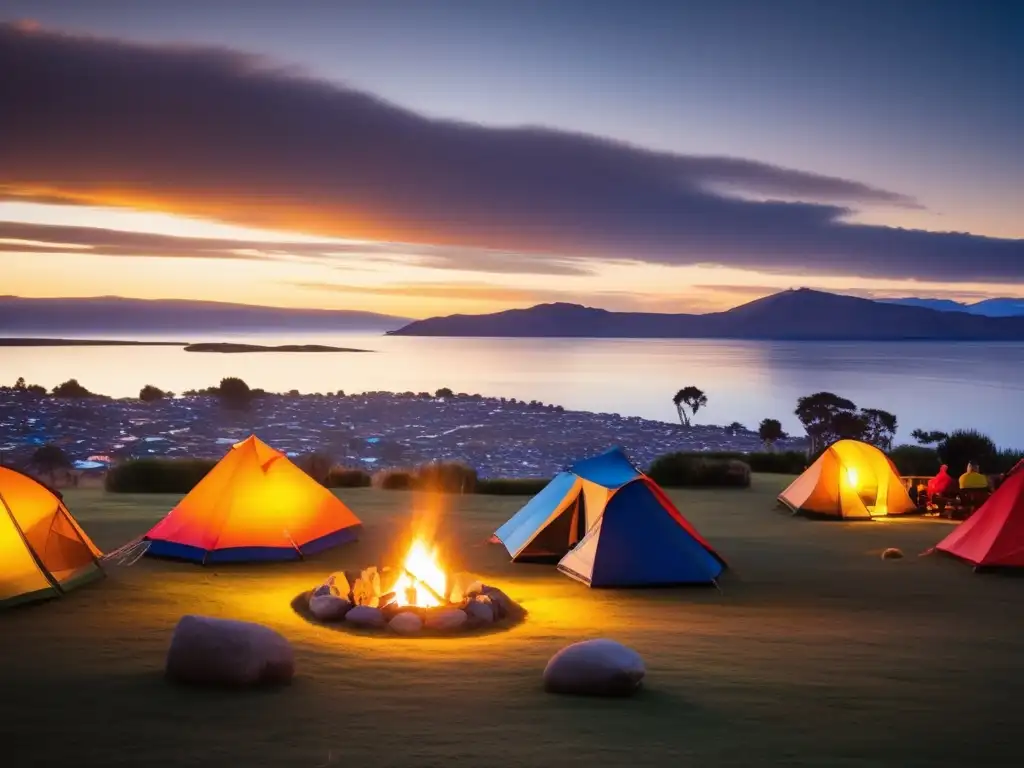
[
  {"x": 406, "y": 623},
  {"x": 594, "y": 668},
  {"x": 446, "y": 619},
  {"x": 365, "y": 616},
  {"x": 209, "y": 651},
  {"x": 329, "y": 607}
]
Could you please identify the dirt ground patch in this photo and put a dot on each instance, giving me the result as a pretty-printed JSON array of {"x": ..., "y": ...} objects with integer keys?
[{"x": 816, "y": 652}]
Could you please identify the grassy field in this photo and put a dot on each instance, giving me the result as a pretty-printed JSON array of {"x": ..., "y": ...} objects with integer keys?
[{"x": 816, "y": 652}]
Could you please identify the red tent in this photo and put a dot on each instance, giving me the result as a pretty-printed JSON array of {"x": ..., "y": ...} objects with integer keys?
[{"x": 994, "y": 535}]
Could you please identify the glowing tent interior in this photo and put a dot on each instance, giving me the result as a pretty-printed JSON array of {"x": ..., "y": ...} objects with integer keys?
[
  {"x": 606, "y": 524},
  {"x": 850, "y": 479},
  {"x": 43, "y": 551},
  {"x": 254, "y": 505}
]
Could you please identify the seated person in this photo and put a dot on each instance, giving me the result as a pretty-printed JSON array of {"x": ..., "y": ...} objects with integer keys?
[
  {"x": 942, "y": 484},
  {"x": 973, "y": 480}
]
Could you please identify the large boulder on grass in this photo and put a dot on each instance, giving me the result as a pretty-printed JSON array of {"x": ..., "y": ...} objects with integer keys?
[
  {"x": 209, "y": 651},
  {"x": 594, "y": 668}
]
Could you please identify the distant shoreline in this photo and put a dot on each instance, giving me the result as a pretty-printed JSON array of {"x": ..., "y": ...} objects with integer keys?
[
  {"x": 232, "y": 348},
  {"x": 218, "y": 347},
  {"x": 31, "y": 342}
]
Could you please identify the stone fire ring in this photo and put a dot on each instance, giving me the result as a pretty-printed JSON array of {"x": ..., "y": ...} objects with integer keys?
[{"x": 353, "y": 602}]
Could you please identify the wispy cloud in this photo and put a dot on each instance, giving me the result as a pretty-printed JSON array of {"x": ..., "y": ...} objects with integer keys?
[
  {"x": 21, "y": 237},
  {"x": 221, "y": 134}
]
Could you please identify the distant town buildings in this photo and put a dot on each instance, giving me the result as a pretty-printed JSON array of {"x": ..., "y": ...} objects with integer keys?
[{"x": 373, "y": 430}]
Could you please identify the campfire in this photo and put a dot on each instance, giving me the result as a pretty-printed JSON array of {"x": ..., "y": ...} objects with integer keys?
[
  {"x": 418, "y": 596},
  {"x": 422, "y": 582}
]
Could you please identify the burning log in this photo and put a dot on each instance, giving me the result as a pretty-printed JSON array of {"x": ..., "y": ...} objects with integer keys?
[{"x": 411, "y": 590}]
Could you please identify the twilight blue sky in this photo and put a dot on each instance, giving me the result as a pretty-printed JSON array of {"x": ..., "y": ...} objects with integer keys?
[{"x": 918, "y": 99}]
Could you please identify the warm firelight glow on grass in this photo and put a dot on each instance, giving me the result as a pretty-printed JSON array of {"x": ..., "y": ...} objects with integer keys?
[{"x": 422, "y": 563}]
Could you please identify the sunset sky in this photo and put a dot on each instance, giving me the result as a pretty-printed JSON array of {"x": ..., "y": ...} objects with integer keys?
[{"x": 421, "y": 158}]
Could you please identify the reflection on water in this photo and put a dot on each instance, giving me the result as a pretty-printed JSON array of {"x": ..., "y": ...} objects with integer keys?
[{"x": 926, "y": 384}]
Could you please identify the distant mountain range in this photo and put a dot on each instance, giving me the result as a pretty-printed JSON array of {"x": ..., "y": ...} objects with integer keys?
[
  {"x": 134, "y": 317},
  {"x": 987, "y": 307},
  {"x": 802, "y": 314}
]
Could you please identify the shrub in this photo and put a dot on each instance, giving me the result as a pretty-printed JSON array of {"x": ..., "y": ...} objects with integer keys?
[
  {"x": 968, "y": 445},
  {"x": 781, "y": 463},
  {"x": 393, "y": 480},
  {"x": 511, "y": 486},
  {"x": 343, "y": 477},
  {"x": 158, "y": 475},
  {"x": 446, "y": 477},
  {"x": 915, "y": 460},
  {"x": 439, "y": 476},
  {"x": 317, "y": 465},
  {"x": 1005, "y": 459},
  {"x": 681, "y": 470}
]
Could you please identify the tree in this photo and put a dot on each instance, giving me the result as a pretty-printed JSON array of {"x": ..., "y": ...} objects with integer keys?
[
  {"x": 150, "y": 394},
  {"x": 770, "y": 432},
  {"x": 444, "y": 392},
  {"x": 71, "y": 388},
  {"x": 689, "y": 397},
  {"x": 823, "y": 415},
  {"x": 735, "y": 427},
  {"x": 49, "y": 458},
  {"x": 881, "y": 427},
  {"x": 928, "y": 438},
  {"x": 848, "y": 425},
  {"x": 234, "y": 393},
  {"x": 19, "y": 385},
  {"x": 967, "y": 446}
]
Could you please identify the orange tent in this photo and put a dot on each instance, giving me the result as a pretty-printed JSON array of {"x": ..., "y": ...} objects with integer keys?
[
  {"x": 254, "y": 505},
  {"x": 994, "y": 535},
  {"x": 43, "y": 551}
]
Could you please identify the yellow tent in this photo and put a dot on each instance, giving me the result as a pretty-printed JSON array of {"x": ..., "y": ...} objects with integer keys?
[
  {"x": 850, "y": 479},
  {"x": 43, "y": 550}
]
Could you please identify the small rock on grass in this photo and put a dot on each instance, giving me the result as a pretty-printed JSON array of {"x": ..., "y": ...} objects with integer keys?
[{"x": 594, "y": 668}]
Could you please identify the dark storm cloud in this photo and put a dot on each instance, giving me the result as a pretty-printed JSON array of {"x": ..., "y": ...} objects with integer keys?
[{"x": 216, "y": 133}]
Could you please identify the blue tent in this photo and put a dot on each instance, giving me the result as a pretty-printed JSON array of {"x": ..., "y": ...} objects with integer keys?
[{"x": 607, "y": 524}]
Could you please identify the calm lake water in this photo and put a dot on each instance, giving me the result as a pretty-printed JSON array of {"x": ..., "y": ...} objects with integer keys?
[{"x": 927, "y": 385}]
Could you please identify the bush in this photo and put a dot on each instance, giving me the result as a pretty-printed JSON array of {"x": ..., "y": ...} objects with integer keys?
[
  {"x": 439, "y": 476},
  {"x": 317, "y": 465},
  {"x": 1005, "y": 459},
  {"x": 343, "y": 477},
  {"x": 158, "y": 475},
  {"x": 968, "y": 446},
  {"x": 393, "y": 480},
  {"x": 781, "y": 463},
  {"x": 682, "y": 470},
  {"x": 511, "y": 486},
  {"x": 445, "y": 477},
  {"x": 915, "y": 460}
]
